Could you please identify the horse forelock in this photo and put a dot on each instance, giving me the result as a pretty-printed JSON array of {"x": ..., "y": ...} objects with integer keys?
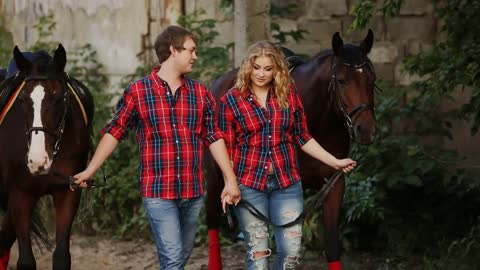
[{"x": 354, "y": 55}]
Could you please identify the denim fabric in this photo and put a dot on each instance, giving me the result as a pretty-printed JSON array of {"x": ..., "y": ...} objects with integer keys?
[
  {"x": 281, "y": 206},
  {"x": 174, "y": 224}
]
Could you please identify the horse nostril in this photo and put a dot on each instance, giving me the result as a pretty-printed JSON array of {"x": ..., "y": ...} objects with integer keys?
[
  {"x": 358, "y": 129},
  {"x": 30, "y": 161}
]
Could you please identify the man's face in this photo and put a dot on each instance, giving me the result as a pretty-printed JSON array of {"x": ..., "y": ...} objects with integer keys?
[{"x": 186, "y": 56}]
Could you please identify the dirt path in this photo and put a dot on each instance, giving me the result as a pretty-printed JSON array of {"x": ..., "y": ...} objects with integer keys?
[{"x": 90, "y": 253}]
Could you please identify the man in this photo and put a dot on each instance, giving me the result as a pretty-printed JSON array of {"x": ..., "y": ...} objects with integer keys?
[{"x": 173, "y": 116}]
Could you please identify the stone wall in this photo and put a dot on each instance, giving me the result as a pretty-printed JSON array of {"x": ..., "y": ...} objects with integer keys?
[{"x": 122, "y": 30}]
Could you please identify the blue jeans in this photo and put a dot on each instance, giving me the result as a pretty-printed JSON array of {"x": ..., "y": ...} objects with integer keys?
[
  {"x": 174, "y": 224},
  {"x": 281, "y": 206}
]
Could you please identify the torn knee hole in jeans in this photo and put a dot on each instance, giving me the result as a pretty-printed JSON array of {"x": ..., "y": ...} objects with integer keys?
[
  {"x": 259, "y": 254},
  {"x": 290, "y": 214},
  {"x": 290, "y": 262},
  {"x": 294, "y": 232}
]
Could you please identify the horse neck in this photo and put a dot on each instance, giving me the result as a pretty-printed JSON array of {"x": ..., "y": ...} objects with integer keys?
[{"x": 76, "y": 131}]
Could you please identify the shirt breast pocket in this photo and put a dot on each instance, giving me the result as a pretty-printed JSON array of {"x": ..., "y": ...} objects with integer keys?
[{"x": 250, "y": 123}]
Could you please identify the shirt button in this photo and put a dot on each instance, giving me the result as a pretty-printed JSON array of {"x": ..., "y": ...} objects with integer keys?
[
  {"x": 270, "y": 136},
  {"x": 178, "y": 176},
  {"x": 178, "y": 157},
  {"x": 269, "y": 152},
  {"x": 269, "y": 120},
  {"x": 174, "y": 125},
  {"x": 176, "y": 141},
  {"x": 266, "y": 167}
]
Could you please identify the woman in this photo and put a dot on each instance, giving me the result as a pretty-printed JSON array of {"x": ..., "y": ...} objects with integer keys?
[{"x": 262, "y": 116}]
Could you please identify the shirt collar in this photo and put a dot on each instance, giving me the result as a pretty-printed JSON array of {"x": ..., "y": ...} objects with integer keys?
[{"x": 162, "y": 83}]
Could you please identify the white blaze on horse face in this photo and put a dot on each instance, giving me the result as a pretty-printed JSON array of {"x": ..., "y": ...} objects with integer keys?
[
  {"x": 359, "y": 70},
  {"x": 38, "y": 161}
]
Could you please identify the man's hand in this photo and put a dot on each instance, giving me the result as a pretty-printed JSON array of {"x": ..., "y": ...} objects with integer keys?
[{"x": 230, "y": 194}]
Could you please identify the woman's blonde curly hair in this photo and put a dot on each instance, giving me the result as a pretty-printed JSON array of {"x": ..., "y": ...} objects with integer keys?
[{"x": 281, "y": 77}]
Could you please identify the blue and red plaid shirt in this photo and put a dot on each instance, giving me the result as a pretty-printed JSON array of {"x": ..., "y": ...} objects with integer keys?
[
  {"x": 259, "y": 137},
  {"x": 171, "y": 130}
]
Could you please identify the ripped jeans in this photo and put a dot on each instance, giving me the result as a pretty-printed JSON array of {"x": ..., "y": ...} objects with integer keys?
[{"x": 281, "y": 206}]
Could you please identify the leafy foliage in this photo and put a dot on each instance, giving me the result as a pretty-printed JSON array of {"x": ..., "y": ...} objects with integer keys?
[
  {"x": 6, "y": 45},
  {"x": 364, "y": 10},
  {"x": 212, "y": 60},
  {"x": 408, "y": 191},
  {"x": 280, "y": 35}
]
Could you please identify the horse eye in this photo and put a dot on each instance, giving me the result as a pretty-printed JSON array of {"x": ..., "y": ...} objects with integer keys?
[{"x": 342, "y": 82}]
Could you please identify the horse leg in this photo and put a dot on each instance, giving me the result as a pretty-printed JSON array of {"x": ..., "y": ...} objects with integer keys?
[
  {"x": 214, "y": 189},
  {"x": 22, "y": 205},
  {"x": 331, "y": 216},
  {"x": 66, "y": 205},
  {"x": 7, "y": 238}
]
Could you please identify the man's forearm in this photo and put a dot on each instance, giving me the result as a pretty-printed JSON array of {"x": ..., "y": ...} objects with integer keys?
[
  {"x": 220, "y": 154},
  {"x": 105, "y": 147}
]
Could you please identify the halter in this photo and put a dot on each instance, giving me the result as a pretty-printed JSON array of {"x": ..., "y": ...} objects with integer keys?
[
  {"x": 58, "y": 134},
  {"x": 348, "y": 116}
]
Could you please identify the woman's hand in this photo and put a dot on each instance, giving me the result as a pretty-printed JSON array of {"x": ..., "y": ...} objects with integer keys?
[
  {"x": 82, "y": 178},
  {"x": 346, "y": 165},
  {"x": 230, "y": 194}
]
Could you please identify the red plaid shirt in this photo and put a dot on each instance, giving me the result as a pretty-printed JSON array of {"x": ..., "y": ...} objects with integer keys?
[
  {"x": 171, "y": 130},
  {"x": 259, "y": 137}
]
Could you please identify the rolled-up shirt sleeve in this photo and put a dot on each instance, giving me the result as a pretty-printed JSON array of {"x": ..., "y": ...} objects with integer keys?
[
  {"x": 125, "y": 117},
  {"x": 300, "y": 129},
  {"x": 210, "y": 131},
  {"x": 227, "y": 125}
]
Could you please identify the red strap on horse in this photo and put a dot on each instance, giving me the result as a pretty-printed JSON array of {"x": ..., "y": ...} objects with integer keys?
[
  {"x": 214, "y": 256},
  {"x": 336, "y": 265},
  {"x": 4, "y": 260}
]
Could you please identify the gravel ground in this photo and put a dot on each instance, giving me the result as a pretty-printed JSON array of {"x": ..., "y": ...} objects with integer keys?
[{"x": 91, "y": 253}]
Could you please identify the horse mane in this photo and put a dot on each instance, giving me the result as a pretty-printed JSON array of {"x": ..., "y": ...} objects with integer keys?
[{"x": 3, "y": 73}]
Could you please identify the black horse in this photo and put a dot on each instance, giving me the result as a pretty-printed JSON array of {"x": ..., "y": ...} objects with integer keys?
[
  {"x": 337, "y": 89},
  {"x": 45, "y": 136}
]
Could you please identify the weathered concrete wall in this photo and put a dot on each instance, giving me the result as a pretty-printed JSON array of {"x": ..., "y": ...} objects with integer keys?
[{"x": 121, "y": 31}]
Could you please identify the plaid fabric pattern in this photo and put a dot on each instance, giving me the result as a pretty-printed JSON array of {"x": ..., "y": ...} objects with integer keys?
[
  {"x": 259, "y": 137},
  {"x": 170, "y": 130}
]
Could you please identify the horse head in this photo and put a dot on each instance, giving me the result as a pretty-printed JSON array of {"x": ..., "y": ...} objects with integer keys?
[
  {"x": 352, "y": 86},
  {"x": 44, "y": 99}
]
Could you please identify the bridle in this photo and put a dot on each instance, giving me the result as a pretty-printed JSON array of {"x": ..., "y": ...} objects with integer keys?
[
  {"x": 333, "y": 91},
  {"x": 58, "y": 134}
]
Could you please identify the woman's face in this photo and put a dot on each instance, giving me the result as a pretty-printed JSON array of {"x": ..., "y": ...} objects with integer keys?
[{"x": 262, "y": 72}]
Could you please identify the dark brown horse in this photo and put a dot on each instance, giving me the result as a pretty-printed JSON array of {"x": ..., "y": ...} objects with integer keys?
[
  {"x": 45, "y": 127},
  {"x": 337, "y": 90}
]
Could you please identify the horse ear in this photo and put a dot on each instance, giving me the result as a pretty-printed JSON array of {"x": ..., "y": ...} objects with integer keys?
[
  {"x": 337, "y": 45},
  {"x": 59, "y": 58},
  {"x": 23, "y": 64},
  {"x": 367, "y": 43}
]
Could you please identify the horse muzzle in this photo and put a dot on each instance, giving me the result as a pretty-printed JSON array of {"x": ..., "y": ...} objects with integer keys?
[{"x": 38, "y": 164}]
